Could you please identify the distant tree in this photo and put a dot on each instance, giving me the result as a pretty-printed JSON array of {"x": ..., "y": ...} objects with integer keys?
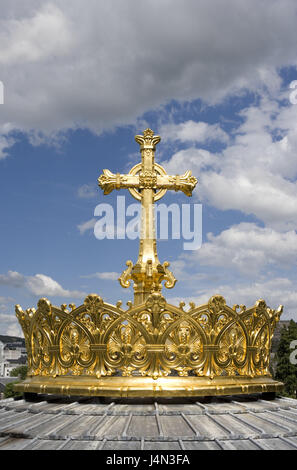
[
  {"x": 286, "y": 371},
  {"x": 20, "y": 372},
  {"x": 9, "y": 391}
]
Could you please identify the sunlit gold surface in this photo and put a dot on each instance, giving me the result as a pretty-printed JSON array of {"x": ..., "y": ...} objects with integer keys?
[
  {"x": 100, "y": 348},
  {"x": 147, "y": 182},
  {"x": 148, "y": 387},
  {"x": 152, "y": 348}
]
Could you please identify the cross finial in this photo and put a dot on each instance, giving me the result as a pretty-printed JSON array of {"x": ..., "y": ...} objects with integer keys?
[{"x": 148, "y": 139}]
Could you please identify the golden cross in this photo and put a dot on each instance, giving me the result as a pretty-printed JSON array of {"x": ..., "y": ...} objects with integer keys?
[{"x": 147, "y": 182}]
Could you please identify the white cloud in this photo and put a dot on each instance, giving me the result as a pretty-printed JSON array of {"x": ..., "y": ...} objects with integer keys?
[
  {"x": 249, "y": 248},
  {"x": 14, "y": 329},
  {"x": 85, "y": 226},
  {"x": 5, "y": 144},
  {"x": 275, "y": 292},
  {"x": 87, "y": 191},
  {"x": 195, "y": 158},
  {"x": 10, "y": 326},
  {"x": 269, "y": 197},
  {"x": 12, "y": 278},
  {"x": 278, "y": 291},
  {"x": 191, "y": 131},
  {"x": 40, "y": 284},
  {"x": 108, "y": 276},
  {"x": 7, "y": 318},
  {"x": 66, "y": 66},
  {"x": 256, "y": 173},
  {"x": 35, "y": 37},
  {"x": 100, "y": 66},
  {"x": 243, "y": 263}
]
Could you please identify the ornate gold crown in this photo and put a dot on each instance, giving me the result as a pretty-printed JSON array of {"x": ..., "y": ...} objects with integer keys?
[{"x": 152, "y": 348}]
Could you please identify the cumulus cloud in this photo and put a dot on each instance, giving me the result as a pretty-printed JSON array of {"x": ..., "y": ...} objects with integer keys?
[
  {"x": 87, "y": 191},
  {"x": 12, "y": 278},
  {"x": 69, "y": 66},
  {"x": 249, "y": 248},
  {"x": 85, "y": 226},
  {"x": 39, "y": 285},
  {"x": 14, "y": 329},
  {"x": 277, "y": 291},
  {"x": 107, "y": 276},
  {"x": 195, "y": 158},
  {"x": 36, "y": 37},
  {"x": 4, "y": 300},
  {"x": 256, "y": 172},
  {"x": 191, "y": 131},
  {"x": 9, "y": 325},
  {"x": 7, "y": 318},
  {"x": 5, "y": 144}
]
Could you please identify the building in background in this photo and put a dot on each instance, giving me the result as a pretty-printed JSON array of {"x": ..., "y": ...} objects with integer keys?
[{"x": 12, "y": 354}]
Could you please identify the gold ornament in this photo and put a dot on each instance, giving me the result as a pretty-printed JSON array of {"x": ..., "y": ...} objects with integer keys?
[{"x": 152, "y": 348}]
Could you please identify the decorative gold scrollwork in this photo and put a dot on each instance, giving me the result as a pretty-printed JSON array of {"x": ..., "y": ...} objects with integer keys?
[
  {"x": 231, "y": 352},
  {"x": 183, "y": 349},
  {"x": 75, "y": 351},
  {"x": 154, "y": 339},
  {"x": 126, "y": 349}
]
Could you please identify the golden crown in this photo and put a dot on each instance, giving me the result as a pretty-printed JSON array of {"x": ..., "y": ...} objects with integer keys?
[
  {"x": 152, "y": 348},
  {"x": 212, "y": 348}
]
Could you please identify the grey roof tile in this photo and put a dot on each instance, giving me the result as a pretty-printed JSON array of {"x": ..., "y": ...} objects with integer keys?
[
  {"x": 162, "y": 445},
  {"x": 231, "y": 423}
]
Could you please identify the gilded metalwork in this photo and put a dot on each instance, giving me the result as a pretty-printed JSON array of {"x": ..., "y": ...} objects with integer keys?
[
  {"x": 152, "y": 348},
  {"x": 154, "y": 340},
  {"x": 147, "y": 182}
]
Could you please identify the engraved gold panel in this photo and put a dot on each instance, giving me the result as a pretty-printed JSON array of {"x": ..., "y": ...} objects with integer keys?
[{"x": 155, "y": 340}]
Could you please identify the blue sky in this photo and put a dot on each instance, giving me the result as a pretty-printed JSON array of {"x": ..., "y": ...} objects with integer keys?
[{"x": 213, "y": 81}]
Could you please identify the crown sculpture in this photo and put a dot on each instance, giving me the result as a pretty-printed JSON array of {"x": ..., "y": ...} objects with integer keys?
[{"x": 152, "y": 348}]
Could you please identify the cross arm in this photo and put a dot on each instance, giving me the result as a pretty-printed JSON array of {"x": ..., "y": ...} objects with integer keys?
[
  {"x": 185, "y": 183},
  {"x": 109, "y": 181}
]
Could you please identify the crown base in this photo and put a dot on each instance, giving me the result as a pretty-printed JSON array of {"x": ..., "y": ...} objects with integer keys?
[{"x": 148, "y": 387}]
